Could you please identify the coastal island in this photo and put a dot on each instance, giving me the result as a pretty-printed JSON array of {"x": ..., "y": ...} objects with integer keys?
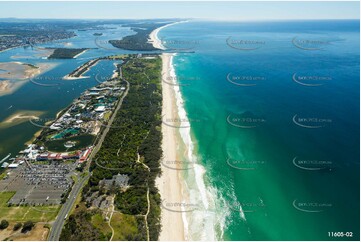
[
  {"x": 140, "y": 40},
  {"x": 67, "y": 53}
]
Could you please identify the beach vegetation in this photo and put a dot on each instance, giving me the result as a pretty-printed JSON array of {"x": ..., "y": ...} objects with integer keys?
[{"x": 66, "y": 53}]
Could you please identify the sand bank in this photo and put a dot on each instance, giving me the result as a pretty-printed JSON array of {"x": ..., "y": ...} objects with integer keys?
[
  {"x": 20, "y": 117},
  {"x": 17, "y": 73}
]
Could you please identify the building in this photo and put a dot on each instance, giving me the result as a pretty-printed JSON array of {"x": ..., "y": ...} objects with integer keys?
[
  {"x": 120, "y": 181},
  {"x": 85, "y": 155},
  {"x": 100, "y": 109}
]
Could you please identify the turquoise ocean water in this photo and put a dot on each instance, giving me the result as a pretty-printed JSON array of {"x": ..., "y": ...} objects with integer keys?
[{"x": 274, "y": 115}]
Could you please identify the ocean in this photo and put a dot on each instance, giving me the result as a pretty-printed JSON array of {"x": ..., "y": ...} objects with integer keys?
[{"x": 274, "y": 115}]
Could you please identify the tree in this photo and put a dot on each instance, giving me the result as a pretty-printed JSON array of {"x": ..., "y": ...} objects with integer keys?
[
  {"x": 4, "y": 224},
  {"x": 17, "y": 226},
  {"x": 28, "y": 225}
]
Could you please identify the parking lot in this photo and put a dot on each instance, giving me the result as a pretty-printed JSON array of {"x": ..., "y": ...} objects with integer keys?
[{"x": 38, "y": 184}]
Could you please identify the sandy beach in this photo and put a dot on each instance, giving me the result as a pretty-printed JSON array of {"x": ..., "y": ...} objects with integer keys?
[
  {"x": 79, "y": 54},
  {"x": 69, "y": 78},
  {"x": 154, "y": 40},
  {"x": 169, "y": 184},
  {"x": 153, "y": 37}
]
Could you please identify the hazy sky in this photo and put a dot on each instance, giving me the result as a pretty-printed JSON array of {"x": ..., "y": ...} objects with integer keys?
[{"x": 215, "y": 10}]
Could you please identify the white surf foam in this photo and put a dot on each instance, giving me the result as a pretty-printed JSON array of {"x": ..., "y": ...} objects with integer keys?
[{"x": 200, "y": 224}]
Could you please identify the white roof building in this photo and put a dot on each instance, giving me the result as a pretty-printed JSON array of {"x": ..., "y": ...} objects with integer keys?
[{"x": 100, "y": 109}]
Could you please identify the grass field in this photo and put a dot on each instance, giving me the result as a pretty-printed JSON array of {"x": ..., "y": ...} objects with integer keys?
[
  {"x": 124, "y": 225},
  {"x": 2, "y": 175},
  {"x": 22, "y": 214},
  {"x": 99, "y": 222}
]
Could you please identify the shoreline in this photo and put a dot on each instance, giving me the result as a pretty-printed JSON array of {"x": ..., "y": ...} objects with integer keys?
[
  {"x": 80, "y": 54},
  {"x": 67, "y": 77},
  {"x": 169, "y": 183},
  {"x": 153, "y": 36},
  {"x": 179, "y": 184},
  {"x": 87, "y": 66}
]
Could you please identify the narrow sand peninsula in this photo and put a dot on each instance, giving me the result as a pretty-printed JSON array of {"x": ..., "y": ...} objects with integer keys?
[
  {"x": 73, "y": 76},
  {"x": 69, "y": 78},
  {"x": 169, "y": 184},
  {"x": 153, "y": 37}
]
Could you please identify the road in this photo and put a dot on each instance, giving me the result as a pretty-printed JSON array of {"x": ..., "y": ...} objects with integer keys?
[
  {"x": 65, "y": 209},
  {"x": 108, "y": 126},
  {"x": 57, "y": 227}
]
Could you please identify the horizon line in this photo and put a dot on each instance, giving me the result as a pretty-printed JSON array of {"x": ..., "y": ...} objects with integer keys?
[{"x": 178, "y": 18}]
